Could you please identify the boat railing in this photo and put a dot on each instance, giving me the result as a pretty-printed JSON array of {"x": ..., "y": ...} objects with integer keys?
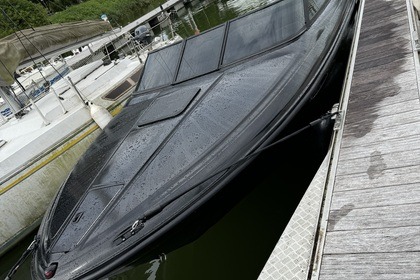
[
  {"x": 128, "y": 47},
  {"x": 126, "y": 44}
]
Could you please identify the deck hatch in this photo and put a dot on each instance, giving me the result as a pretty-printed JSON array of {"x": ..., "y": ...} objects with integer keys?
[
  {"x": 168, "y": 106},
  {"x": 94, "y": 203}
]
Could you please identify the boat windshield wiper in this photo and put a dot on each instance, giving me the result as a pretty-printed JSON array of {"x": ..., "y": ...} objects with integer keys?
[{"x": 139, "y": 223}]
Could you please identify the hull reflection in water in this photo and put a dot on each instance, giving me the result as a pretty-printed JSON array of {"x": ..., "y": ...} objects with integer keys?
[{"x": 179, "y": 149}]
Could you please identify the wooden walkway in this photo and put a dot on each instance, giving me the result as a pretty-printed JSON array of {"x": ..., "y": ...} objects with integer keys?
[{"x": 373, "y": 227}]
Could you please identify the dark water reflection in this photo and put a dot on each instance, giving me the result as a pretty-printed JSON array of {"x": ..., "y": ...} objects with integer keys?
[{"x": 234, "y": 239}]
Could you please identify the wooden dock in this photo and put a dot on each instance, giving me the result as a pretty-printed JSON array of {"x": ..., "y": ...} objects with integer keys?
[{"x": 371, "y": 226}]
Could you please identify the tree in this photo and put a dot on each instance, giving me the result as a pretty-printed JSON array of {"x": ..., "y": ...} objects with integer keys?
[
  {"x": 118, "y": 11},
  {"x": 20, "y": 14}
]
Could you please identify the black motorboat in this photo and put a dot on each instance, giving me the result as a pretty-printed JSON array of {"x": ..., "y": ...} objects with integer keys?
[{"x": 201, "y": 107}]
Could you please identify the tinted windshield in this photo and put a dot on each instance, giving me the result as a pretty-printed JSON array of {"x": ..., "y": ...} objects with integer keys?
[
  {"x": 201, "y": 54},
  {"x": 246, "y": 36},
  {"x": 263, "y": 29},
  {"x": 161, "y": 67}
]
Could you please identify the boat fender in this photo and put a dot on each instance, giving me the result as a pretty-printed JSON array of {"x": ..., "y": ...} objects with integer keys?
[{"x": 100, "y": 115}]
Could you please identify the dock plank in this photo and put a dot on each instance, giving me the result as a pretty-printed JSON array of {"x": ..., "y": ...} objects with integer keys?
[
  {"x": 380, "y": 84},
  {"x": 348, "y": 218},
  {"x": 382, "y": 66},
  {"x": 381, "y": 196},
  {"x": 376, "y": 162},
  {"x": 385, "y": 120},
  {"x": 403, "y": 106},
  {"x": 392, "y": 145},
  {"x": 381, "y": 47},
  {"x": 381, "y": 240},
  {"x": 382, "y": 266},
  {"x": 353, "y": 136},
  {"x": 389, "y": 177}
]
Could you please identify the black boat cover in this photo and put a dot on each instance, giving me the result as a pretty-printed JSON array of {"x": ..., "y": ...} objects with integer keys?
[{"x": 201, "y": 105}]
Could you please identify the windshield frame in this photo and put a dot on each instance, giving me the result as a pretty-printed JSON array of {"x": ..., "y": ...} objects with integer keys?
[{"x": 308, "y": 22}]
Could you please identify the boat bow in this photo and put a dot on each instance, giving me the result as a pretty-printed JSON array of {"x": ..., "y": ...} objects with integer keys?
[{"x": 155, "y": 163}]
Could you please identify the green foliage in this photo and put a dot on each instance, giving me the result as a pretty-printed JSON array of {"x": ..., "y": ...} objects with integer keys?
[
  {"x": 20, "y": 14},
  {"x": 60, "y": 5},
  {"x": 118, "y": 11},
  {"x": 24, "y": 13}
]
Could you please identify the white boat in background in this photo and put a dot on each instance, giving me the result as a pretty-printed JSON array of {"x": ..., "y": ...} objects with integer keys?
[
  {"x": 40, "y": 145},
  {"x": 34, "y": 80}
]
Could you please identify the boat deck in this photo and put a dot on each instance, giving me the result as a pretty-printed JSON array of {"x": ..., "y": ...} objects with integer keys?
[{"x": 369, "y": 225}]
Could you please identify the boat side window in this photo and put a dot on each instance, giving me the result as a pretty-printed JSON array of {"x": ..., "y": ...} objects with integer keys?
[
  {"x": 314, "y": 6},
  {"x": 261, "y": 30},
  {"x": 201, "y": 54},
  {"x": 160, "y": 67}
]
